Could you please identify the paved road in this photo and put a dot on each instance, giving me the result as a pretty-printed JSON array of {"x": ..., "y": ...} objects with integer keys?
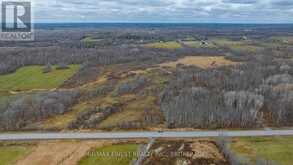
[{"x": 130, "y": 135}]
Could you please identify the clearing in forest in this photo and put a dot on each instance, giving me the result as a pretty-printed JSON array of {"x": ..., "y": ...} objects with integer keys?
[
  {"x": 200, "y": 61},
  {"x": 164, "y": 45}
]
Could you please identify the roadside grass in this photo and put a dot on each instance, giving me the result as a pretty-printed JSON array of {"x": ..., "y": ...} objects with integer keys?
[
  {"x": 10, "y": 154},
  {"x": 276, "y": 149},
  {"x": 125, "y": 154},
  {"x": 32, "y": 78},
  {"x": 200, "y": 61},
  {"x": 164, "y": 45}
]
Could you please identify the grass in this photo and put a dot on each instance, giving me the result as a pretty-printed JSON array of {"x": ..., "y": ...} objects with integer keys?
[
  {"x": 198, "y": 44},
  {"x": 247, "y": 48},
  {"x": 62, "y": 121},
  {"x": 134, "y": 105},
  {"x": 241, "y": 46},
  {"x": 133, "y": 111},
  {"x": 277, "y": 149},
  {"x": 282, "y": 39},
  {"x": 227, "y": 42},
  {"x": 32, "y": 78},
  {"x": 126, "y": 150},
  {"x": 200, "y": 61},
  {"x": 89, "y": 41},
  {"x": 164, "y": 45},
  {"x": 10, "y": 154}
]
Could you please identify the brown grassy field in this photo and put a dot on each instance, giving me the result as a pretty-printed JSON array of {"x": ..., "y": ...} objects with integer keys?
[
  {"x": 200, "y": 61},
  {"x": 60, "y": 152},
  {"x": 164, "y": 45}
]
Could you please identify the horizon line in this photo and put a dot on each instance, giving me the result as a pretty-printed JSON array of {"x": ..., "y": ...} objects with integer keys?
[{"x": 163, "y": 23}]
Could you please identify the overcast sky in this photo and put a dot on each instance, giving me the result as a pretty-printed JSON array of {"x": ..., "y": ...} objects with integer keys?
[{"x": 221, "y": 11}]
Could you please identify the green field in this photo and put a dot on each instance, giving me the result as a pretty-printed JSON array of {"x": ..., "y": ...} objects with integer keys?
[
  {"x": 241, "y": 45},
  {"x": 32, "y": 77},
  {"x": 10, "y": 154},
  {"x": 198, "y": 44},
  {"x": 89, "y": 41},
  {"x": 100, "y": 155},
  {"x": 164, "y": 45},
  {"x": 276, "y": 149},
  {"x": 227, "y": 42}
]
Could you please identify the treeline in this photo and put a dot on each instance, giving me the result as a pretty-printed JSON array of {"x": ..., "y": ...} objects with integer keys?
[
  {"x": 13, "y": 58},
  {"x": 27, "y": 109}
]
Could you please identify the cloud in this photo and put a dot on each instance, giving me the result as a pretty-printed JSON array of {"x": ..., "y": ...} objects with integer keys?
[
  {"x": 241, "y": 1},
  {"x": 283, "y": 3},
  {"x": 164, "y": 11}
]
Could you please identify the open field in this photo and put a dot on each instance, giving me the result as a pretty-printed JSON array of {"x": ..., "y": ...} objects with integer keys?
[
  {"x": 132, "y": 112},
  {"x": 59, "y": 152},
  {"x": 238, "y": 45},
  {"x": 164, "y": 45},
  {"x": 134, "y": 104},
  {"x": 10, "y": 153},
  {"x": 276, "y": 149},
  {"x": 200, "y": 61},
  {"x": 228, "y": 42},
  {"x": 67, "y": 152},
  {"x": 99, "y": 155},
  {"x": 32, "y": 78},
  {"x": 199, "y": 44},
  {"x": 89, "y": 41},
  {"x": 282, "y": 39},
  {"x": 247, "y": 48}
]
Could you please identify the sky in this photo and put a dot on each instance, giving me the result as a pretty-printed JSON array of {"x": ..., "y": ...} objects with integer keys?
[{"x": 182, "y": 11}]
